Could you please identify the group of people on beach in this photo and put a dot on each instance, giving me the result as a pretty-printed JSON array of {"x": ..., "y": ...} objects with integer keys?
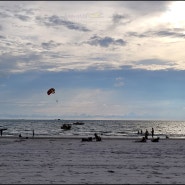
[
  {"x": 146, "y": 134},
  {"x": 96, "y": 137}
]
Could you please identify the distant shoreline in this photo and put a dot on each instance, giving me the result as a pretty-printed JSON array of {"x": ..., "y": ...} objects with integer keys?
[{"x": 80, "y": 137}]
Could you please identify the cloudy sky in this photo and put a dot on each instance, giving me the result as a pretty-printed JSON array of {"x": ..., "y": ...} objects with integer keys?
[{"x": 105, "y": 59}]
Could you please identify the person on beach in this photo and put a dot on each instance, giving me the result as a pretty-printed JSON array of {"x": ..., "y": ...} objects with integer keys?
[
  {"x": 140, "y": 132},
  {"x": 1, "y": 132},
  {"x": 87, "y": 139},
  {"x": 98, "y": 138},
  {"x": 33, "y": 133},
  {"x": 152, "y": 132},
  {"x": 155, "y": 139},
  {"x": 143, "y": 139},
  {"x": 146, "y": 134}
]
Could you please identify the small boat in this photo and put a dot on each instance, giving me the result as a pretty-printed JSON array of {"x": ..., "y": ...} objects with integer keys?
[
  {"x": 78, "y": 123},
  {"x": 66, "y": 126}
]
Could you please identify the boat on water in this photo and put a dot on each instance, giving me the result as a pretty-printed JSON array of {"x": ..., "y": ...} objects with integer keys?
[
  {"x": 66, "y": 127},
  {"x": 78, "y": 123}
]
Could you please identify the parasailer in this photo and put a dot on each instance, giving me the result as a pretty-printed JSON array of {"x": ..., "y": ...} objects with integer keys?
[{"x": 51, "y": 91}]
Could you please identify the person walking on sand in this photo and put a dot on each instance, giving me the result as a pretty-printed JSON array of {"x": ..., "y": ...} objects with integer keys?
[
  {"x": 146, "y": 134},
  {"x": 152, "y": 132}
]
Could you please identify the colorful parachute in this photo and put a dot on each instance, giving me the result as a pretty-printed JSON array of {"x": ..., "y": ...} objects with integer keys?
[{"x": 51, "y": 91}]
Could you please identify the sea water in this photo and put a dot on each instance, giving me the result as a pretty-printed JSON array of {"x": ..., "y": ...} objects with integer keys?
[{"x": 105, "y": 128}]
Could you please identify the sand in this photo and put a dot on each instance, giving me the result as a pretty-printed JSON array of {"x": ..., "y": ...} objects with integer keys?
[{"x": 111, "y": 161}]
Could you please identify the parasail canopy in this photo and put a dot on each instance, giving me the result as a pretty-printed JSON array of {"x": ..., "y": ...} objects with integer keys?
[{"x": 51, "y": 91}]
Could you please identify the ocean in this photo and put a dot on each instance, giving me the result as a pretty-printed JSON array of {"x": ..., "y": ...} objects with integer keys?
[{"x": 105, "y": 128}]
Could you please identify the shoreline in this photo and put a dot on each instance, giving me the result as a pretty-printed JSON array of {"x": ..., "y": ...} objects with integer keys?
[{"x": 80, "y": 137}]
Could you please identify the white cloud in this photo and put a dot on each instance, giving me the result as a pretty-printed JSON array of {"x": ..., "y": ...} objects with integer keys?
[{"x": 34, "y": 46}]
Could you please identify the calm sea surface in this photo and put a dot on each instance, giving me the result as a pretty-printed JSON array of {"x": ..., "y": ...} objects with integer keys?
[{"x": 107, "y": 128}]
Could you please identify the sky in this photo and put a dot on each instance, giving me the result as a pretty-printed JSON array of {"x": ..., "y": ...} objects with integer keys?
[{"x": 105, "y": 59}]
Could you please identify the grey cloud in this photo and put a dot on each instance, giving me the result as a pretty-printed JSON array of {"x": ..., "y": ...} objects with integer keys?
[
  {"x": 59, "y": 21},
  {"x": 154, "y": 62},
  {"x": 29, "y": 11},
  {"x": 15, "y": 10},
  {"x": 135, "y": 34},
  {"x": 49, "y": 45},
  {"x": 25, "y": 58},
  {"x": 9, "y": 63},
  {"x": 169, "y": 34},
  {"x": 4, "y": 14},
  {"x": 178, "y": 29},
  {"x": 29, "y": 44},
  {"x": 178, "y": 33},
  {"x": 147, "y": 7},
  {"x": 2, "y": 37},
  {"x": 98, "y": 58},
  {"x": 106, "y": 41},
  {"x": 22, "y": 17},
  {"x": 118, "y": 18}
]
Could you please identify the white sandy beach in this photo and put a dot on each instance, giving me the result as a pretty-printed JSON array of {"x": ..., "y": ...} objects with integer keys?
[{"x": 111, "y": 161}]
